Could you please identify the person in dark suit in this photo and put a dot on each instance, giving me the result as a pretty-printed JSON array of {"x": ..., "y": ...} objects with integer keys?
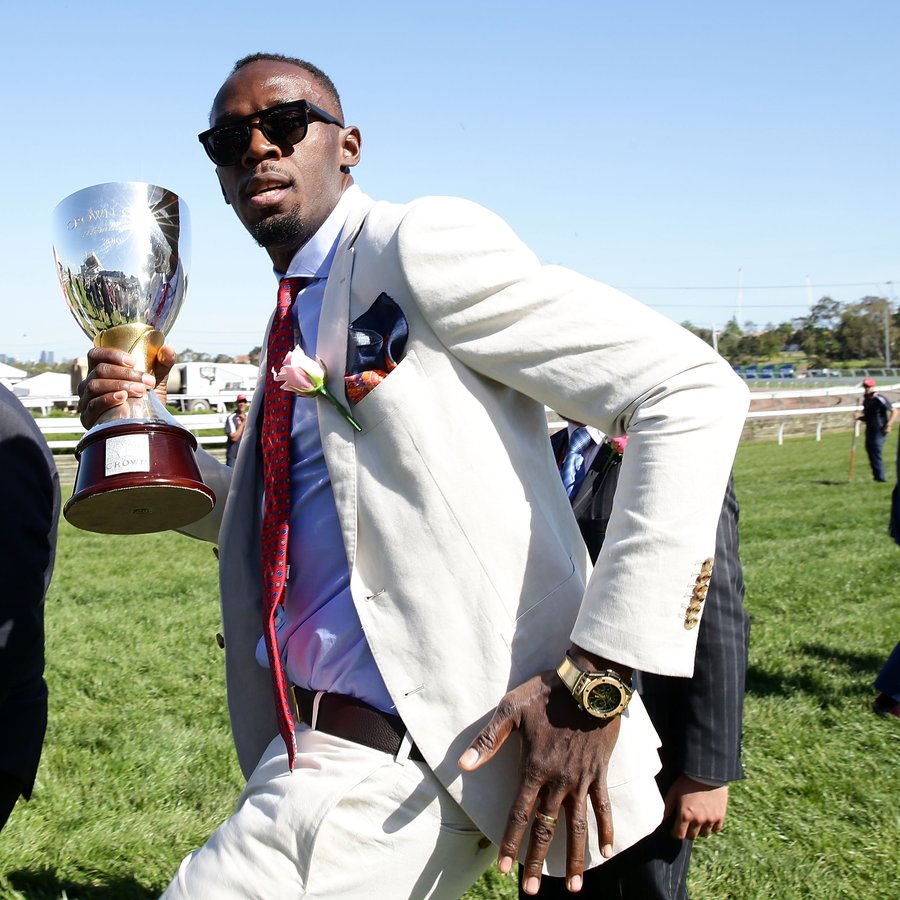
[
  {"x": 698, "y": 719},
  {"x": 29, "y": 511}
]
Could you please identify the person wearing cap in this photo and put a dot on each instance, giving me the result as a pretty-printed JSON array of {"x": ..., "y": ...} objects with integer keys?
[
  {"x": 234, "y": 429},
  {"x": 879, "y": 414}
]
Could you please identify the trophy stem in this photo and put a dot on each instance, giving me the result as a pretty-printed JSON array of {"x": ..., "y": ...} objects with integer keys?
[{"x": 140, "y": 340}]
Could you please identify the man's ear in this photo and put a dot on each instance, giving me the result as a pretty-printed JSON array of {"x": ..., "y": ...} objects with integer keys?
[
  {"x": 222, "y": 189},
  {"x": 351, "y": 147}
]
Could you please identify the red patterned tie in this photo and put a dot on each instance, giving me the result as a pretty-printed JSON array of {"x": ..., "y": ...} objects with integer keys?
[{"x": 276, "y": 455}]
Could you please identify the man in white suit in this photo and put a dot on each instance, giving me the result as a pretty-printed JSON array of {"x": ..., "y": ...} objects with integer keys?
[{"x": 460, "y": 679}]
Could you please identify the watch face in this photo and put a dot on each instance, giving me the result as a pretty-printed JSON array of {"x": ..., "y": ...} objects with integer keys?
[{"x": 604, "y": 698}]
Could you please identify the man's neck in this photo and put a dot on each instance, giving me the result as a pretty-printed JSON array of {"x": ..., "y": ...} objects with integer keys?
[
  {"x": 282, "y": 254},
  {"x": 312, "y": 259}
]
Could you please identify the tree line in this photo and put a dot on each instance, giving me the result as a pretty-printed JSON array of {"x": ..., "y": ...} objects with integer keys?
[
  {"x": 831, "y": 332},
  {"x": 867, "y": 331}
]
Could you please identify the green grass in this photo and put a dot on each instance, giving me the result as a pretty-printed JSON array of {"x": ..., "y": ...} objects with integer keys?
[{"x": 138, "y": 766}]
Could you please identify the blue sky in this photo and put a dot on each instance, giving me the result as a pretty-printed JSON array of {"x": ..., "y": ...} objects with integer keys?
[{"x": 703, "y": 156}]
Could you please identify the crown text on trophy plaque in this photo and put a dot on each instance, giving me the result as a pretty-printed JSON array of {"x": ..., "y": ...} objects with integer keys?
[{"x": 121, "y": 258}]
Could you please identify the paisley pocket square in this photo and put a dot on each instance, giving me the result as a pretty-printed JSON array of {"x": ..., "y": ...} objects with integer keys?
[{"x": 376, "y": 343}]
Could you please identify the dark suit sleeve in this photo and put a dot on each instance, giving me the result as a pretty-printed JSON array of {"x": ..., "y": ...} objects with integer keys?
[
  {"x": 699, "y": 719},
  {"x": 29, "y": 506},
  {"x": 702, "y": 716}
]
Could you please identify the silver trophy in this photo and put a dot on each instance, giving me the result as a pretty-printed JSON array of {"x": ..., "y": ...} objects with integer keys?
[{"x": 121, "y": 258}]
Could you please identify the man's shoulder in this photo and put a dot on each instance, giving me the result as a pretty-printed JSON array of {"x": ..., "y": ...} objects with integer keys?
[
  {"x": 437, "y": 209},
  {"x": 424, "y": 221}
]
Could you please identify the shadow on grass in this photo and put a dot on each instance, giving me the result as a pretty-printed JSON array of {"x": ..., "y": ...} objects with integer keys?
[
  {"x": 813, "y": 677},
  {"x": 46, "y": 885}
]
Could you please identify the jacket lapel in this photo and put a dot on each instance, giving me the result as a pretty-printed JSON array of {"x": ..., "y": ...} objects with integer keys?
[
  {"x": 338, "y": 436},
  {"x": 594, "y": 477}
]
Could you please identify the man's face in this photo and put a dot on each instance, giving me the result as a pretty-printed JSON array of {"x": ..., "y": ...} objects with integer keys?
[{"x": 283, "y": 194}]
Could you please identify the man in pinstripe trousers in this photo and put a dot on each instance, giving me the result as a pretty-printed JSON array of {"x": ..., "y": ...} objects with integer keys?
[{"x": 698, "y": 719}]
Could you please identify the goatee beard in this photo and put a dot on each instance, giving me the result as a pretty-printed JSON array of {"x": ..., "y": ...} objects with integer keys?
[{"x": 276, "y": 231}]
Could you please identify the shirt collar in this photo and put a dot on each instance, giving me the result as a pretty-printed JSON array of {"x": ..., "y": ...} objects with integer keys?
[{"x": 313, "y": 259}]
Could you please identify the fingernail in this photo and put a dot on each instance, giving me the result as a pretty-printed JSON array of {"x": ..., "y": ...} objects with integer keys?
[
  {"x": 606, "y": 850},
  {"x": 575, "y": 883},
  {"x": 148, "y": 379},
  {"x": 120, "y": 395},
  {"x": 504, "y": 864},
  {"x": 532, "y": 885},
  {"x": 469, "y": 758}
]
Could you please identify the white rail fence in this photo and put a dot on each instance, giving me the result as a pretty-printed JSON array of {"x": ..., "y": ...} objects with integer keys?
[
  {"x": 823, "y": 413},
  {"x": 59, "y": 425},
  {"x": 846, "y": 402},
  {"x": 782, "y": 415}
]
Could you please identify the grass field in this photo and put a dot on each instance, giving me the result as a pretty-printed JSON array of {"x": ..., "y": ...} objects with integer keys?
[{"x": 138, "y": 766}]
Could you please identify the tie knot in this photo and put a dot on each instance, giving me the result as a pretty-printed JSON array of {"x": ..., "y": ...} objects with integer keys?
[
  {"x": 579, "y": 440},
  {"x": 288, "y": 288}
]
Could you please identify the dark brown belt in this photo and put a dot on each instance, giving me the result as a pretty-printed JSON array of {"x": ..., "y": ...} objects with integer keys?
[{"x": 353, "y": 720}]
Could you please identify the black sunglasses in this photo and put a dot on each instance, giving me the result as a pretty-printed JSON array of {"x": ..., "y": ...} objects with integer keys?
[{"x": 285, "y": 125}]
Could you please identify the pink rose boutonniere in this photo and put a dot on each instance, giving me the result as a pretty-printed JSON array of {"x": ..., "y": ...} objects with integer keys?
[
  {"x": 306, "y": 376},
  {"x": 617, "y": 445}
]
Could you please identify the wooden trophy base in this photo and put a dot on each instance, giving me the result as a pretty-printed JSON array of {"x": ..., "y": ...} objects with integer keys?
[{"x": 137, "y": 478}]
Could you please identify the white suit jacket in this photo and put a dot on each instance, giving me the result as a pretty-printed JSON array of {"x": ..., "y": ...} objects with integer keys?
[{"x": 467, "y": 567}]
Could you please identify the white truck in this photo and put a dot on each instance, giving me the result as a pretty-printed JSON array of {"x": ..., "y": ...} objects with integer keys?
[{"x": 207, "y": 385}]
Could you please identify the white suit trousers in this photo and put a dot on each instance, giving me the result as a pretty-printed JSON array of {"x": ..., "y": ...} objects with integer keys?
[{"x": 349, "y": 822}]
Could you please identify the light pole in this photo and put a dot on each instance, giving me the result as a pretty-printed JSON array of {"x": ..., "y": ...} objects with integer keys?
[{"x": 887, "y": 325}]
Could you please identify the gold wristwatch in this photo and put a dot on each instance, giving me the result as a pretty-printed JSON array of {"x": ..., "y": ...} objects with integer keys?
[{"x": 603, "y": 695}]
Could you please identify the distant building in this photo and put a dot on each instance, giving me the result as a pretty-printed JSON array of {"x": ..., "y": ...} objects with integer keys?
[
  {"x": 47, "y": 358},
  {"x": 10, "y": 376},
  {"x": 47, "y": 384}
]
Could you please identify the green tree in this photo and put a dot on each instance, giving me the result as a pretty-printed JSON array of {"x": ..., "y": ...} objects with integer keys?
[
  {"x": 729, "y": 341},
  {"x": 815, "y": 332},
  {"x": 705, "y": 334},
  {"x": 861, "y": 332}
]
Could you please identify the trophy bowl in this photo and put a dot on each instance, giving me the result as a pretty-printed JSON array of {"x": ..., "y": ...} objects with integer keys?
[{"x": 121, "y": 258}]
